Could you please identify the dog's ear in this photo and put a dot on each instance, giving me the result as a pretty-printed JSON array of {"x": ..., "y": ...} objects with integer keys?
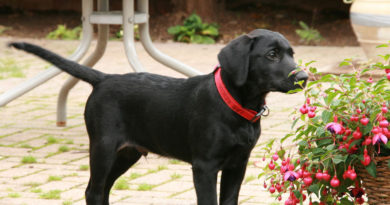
[{"x": 234, "y": 59}]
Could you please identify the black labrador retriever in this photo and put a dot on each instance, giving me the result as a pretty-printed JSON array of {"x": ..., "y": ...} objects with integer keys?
[{"x": 210, "y": 121}]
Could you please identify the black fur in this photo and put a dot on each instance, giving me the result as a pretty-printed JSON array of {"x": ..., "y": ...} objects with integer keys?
[{"x": 132, "y": 114}]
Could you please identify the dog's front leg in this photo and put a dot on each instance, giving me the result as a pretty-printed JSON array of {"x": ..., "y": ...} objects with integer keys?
[
  {"x": 205, "y": 181},
  {"x": 230, "y": 184}
]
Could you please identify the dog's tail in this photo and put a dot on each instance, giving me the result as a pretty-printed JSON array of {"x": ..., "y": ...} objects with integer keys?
[{"x": 82, "y": 72}]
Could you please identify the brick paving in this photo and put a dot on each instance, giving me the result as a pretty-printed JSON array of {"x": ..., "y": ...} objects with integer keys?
[{"x": 44, "y": 164}]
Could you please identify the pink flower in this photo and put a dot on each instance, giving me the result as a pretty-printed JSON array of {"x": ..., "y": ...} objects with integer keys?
[
  {"x": 334, "y": 128},
  {"x": 379, "y": 138},
  {"x": 290, "y": 176},
  {"x": 283, "y": 169}
]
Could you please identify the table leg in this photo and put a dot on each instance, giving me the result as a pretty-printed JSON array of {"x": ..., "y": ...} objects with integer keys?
[
  {"x": 103, "y": 32},
  {"x": 143, "y": 6},
  {"x": 128, "y": 35},
  {"x": 46, "y": 75}
]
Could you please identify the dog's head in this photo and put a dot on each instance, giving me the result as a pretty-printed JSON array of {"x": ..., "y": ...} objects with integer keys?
[{"x": 263, "y": 59}]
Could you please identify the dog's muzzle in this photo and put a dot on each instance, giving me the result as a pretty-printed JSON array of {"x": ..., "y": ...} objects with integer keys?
[{"x": 301, "y": 76}]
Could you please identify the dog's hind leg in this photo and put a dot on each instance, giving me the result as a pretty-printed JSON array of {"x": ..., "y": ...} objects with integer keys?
[
  {"x": 101, "y": 160},
  {"x": 107, "y": 164},
  {"x": 125, "y": 159}
]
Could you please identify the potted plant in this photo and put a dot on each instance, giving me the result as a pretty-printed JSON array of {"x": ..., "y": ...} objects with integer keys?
[
  {"x": 370, "y": 20},
  {"x": 339, "y": 141}
]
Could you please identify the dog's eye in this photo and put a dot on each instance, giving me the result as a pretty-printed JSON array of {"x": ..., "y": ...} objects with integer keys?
[{"x": 273, "y": 55}]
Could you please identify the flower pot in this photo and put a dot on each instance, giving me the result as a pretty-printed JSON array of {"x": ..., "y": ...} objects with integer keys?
[
  {"x": 377, "y": 188},
  {"x": 370, "y": 21}
]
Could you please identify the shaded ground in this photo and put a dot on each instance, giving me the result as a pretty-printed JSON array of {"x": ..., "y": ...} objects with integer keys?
[{"x": 334, "y": 25}]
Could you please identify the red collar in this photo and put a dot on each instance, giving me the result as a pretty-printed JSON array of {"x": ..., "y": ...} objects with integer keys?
[{"x": 248, "y": 114}]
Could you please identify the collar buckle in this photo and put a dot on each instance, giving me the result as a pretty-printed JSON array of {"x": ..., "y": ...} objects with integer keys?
[{"x": 261, "y": 113}]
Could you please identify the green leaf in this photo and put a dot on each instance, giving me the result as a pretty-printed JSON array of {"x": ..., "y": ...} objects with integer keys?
[
  {"x": 339, "y": 159},
  {"x": 367, "y": 129},
  {"x": 261, "y": 174},
  {"x": 320, "y": 131},
  {"x": 297, "y": 194},
  {"x": 207, "y": 40},
  {"x": 371, "y": 169},
  {"x": 313, "y": 70},
  {"x": 303, "y": 117},
  {"x": 210, "y": 30},
  {"x": 324, "y": 142},
  {"x": 300, "y": 83},
  {"x": 374, "y": 115},
  {"x": 329, "y": 98},
  {"x": 303, "y": 143},
  {"x": 326, "y": 116},
  {"x": 357, "y": 96},
  {"x": 310, "y": 62},
  {"x": 183, "y": 38},
  {"x": 356, "y": 142},
  {"x": 281, "y": 153},
  {"x": 285, "y": 137},
  {"x": 174, "y": 30},
  {"x": 335, "y": 103},
  {"x": 314, "y": 188},
  {"x": 294, "y": 123},
  {"x": 270, "y": 143},
  {"x": 330, "y": 147},
  {"x": 327, "y": 78},
  {"x": 346, "y": 201},
  {"x": 196, "y": 39},
  {"x": 294, "y": 91},
  {"x": 345, "y": 63},
  {"x": 385, "y": 57},
  {"x": 318, "y": 151},
  {"x": 383, "y": 45}
]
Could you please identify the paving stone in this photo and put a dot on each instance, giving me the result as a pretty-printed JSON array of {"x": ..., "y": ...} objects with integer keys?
[
  {"x": 74, "y": 194},
  {"x": 155, "y": 201},
  {"x": 83, "y": 161},
  {"x": 37, "y": 142},
  {"x": 38, "y": 178},
  {"x": 10, "y": 151},
  {"x": 28, "y": 201},
  {"x": 190, "y": 194},
  {"x": 60, "y": 185},
  {"x": 55, "y": 161},
  {"x": 154, "y": 179},
  {"x": 18, "y": 139},
  {"x": 68, "y": 156},
  {"x": 175, "y": 186},
  {"x": 17, "y": 172},
  {"x": 7, "y": 165}
]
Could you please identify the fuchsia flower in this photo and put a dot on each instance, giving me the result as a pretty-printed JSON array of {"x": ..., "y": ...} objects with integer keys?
[
  {"x": 379, "y": 138},
  {"x": 334, "y": 128},
  {"x": 290, "y": 176}
]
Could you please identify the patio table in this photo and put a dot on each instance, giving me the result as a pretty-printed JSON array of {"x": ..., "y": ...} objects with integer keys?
[{"x": 130, "y": 15}]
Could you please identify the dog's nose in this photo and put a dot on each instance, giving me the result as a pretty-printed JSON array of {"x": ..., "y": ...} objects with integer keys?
[{"x": 302, "y": 76}]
